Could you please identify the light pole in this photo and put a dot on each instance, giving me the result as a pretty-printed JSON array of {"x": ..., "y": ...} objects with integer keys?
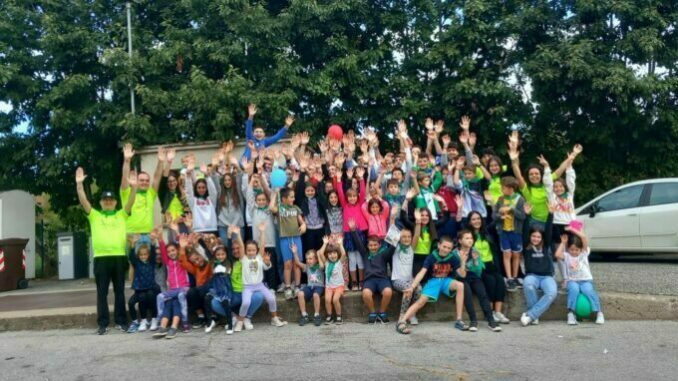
[{"x": 129, "y": 51}]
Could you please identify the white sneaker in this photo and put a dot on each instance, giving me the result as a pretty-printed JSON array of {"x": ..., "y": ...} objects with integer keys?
[
  {"x": 600, "y": 318},
  {"x": 571, "y": 319},
  {"x": 154, "y": 324},
  {"x": 414, "y": 320},
  {"x": 248, "y": 324},
  {"x": 210, "y": 326},
  {"x": 277, "y": 322},
  {"x": 238, "y": 326},
  {"x": 525, "y": 319},
  {"x": 143, "y": 326},
  {"x": 288, "y": 294},
  {"x": 500, "y": 318},
  {"x": 229, "y": 331},
  {"x": 535, "y": 322}
]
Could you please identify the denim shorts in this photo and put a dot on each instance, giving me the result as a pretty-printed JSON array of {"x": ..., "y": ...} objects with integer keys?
[
  {"x": 310, "y": 290},
  {"x": 511, "y": 241},
  {"x": 377, "y": 285},
  {"x": 435, "y": 286}
]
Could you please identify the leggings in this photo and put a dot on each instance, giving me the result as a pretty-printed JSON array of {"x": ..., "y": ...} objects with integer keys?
[
  {"x": 494, "y": 283},
  {"x": 180, "y": 294},
  {"x": 401, "y": 286},
  {"x": 355, "y": 262},
  {"x": 475, "y": 286},
  {"x": 225, "y": 304},
  {"x": 250, "y": 289},
  {"x": 146, "y": 301}
]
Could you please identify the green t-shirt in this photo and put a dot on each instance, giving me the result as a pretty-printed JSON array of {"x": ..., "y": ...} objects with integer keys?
[
  {"x": 141, "y": 218},
  {"x": 536, "y": 196},
  {"x": 109, "y": 237},
  {"x": 483, "y": 248},
  {"x": 288, "y": 218},
  {"x": 424, "y": 244},
  {"x": 175, "y": 208},
  {"x": 236, "y": 276},
  {"x": 495, "y": 189}
]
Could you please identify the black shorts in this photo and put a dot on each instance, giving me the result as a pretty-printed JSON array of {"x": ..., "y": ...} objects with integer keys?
[{"x": 377, "y": 285}]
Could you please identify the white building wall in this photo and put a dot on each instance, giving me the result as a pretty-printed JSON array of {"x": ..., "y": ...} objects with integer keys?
[{"x": 17, "y": 220}]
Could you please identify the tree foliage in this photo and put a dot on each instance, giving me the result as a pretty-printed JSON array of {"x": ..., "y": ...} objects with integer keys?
[{"x": 602, "y": 73}]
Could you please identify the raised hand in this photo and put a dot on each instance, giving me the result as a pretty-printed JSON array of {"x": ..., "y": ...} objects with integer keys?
[
  {"x": 162, "y": 154},
  {"x": 360, "y": 171},
  {"x": 514, "y": 140},
  {"x": 472, "y": 139},
  {"x": 80, "y": 175},
  {"x": 577, "y": 149},
  {"x": 465, "y": 123},
  {"x": 563, "y": 239},
  {"x": 527, "y": 207},
  {"x": 251, "y": 110},
  {"x": 439, "y": 126},
  {"x": 428, "y": 124},
  {"x": 305, "y": 138},
  {"x": 349, "y": 173},
  {"x": 203, "y": 168},
  {"x": 446, "y": 140},
  {"x": 128, "y": 151},
  {"x": 459, "y": 201},
  {"x": 513, "y": 153},
  {"x": 326, "y": 239},
  {"x": 464, "y": 137},
  {"x": 351, "y": 224},
  {"x": 289, "y": 120},
  {"x": 542, "y": 161},
  {"x": 417, "y": 216},
  {"x": 171, "y": 154},
  {"x": 183, "y": 241},
  {"x": 411, "y": 193}
]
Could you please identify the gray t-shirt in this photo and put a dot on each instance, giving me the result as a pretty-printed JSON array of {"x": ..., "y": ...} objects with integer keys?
[
  {"x": 315, "y": 275},
  {"x": 336, "y": 278}
]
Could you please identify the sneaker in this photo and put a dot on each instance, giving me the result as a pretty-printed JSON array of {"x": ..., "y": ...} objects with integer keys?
[
  {"x": 281, "y": 288},
  {"x": 248, "y": 324},
  {"x": 122, "y": 327},
  {"x": 372, "y": 318},
  {"x": 303, "y": 320},
  {"x": 185, "y": 328},
  {"x": 210, "y": 326},
  {"x": 171, "y": 333},
  {"x": 143, "y": 327},
  {"x": 317, "y": 320},
  {"x": 473, "y": 327},
  {"x": 460, "y": 325},
  {"x": 161, "y": 333},
  {"x": 355, "y": 287},
  {"x": 154, "y": 324},
  {"x": 229, "y": 331},
  {"x": 525, "y": 319},
  {"x": 288, "y": 294},
  {"x": 199, "y": 323},
  {"x": 102, "y": 331},
  {"x": 383, "y": 317},
  {"x": 277, "y": 322},
  {"x": 328, "y": 320},
  {"x": 600, "y": 318},
  {"x": 500, "y": 318},
  {"x": 414, "y": 320},
  {"x": 511, "y": 285},
  {"x": 571, "y": 319},
  {"x": 338, "y": 320},
  {"x": 296, "y": 289},
  {"x": 494, "y": 327},
  {"x": 133, "y": 328},
  {"x": 238, "y": 326},
  {"x": 535, "y": 322}
]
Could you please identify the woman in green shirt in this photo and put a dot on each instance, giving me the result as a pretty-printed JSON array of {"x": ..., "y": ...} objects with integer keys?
[{"x": 491, "y": 275}]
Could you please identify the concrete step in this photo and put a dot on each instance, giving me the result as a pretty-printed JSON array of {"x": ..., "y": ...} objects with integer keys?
[{"x": 617, "y": 306}]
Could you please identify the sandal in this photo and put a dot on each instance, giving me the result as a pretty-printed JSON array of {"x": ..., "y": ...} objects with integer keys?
[{"x": 401, "y": 328}]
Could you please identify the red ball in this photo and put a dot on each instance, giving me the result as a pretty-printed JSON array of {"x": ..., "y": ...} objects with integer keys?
[{"x": 335, "y": 132}]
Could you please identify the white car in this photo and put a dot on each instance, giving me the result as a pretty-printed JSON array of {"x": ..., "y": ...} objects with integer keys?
[{"x": 637, "y": 217}]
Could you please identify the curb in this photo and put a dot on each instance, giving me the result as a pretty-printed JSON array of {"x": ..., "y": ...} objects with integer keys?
[{"x": 617, "y": 306}]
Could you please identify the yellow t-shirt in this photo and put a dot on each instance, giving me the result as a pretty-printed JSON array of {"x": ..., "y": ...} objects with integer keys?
[
  {"x": 141, "y": 219},
  {"x": 175, "y": 208},
  {"x": 509, "y": 225},
  {"x": 109, "y": 237}
]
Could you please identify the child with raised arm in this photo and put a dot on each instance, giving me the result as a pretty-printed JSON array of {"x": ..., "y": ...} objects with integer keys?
[
  {"x": 442, "y": 265},
  {"x": 377, "y": 281},
  {"x": 292, "y": 226},
  {"x": 220, "y": 293},
  {"x": 145, "y": 289},
  {"x": 332, "y": 256},
  {"x": 575, "y": 253},
  {"x": 202, "y": 199},
  {"x": 315, "y": 272},
  {"x": 257, "y": 136},
  {"x": 177, "y": 280},
  {"x": 509, "y": 212},
  {"x": 401, "y": 273}
]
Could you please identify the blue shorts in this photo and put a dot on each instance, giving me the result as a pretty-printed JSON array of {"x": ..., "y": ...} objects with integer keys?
[
  {"x": 377, "y": 285},
  {"x": 435, "y": 286},
  {"x": 511, "y": 241},
  {"x": 172, "y": 309},
  {"x": 285, "y": 250},
  {"x": 310, "y": 290}
]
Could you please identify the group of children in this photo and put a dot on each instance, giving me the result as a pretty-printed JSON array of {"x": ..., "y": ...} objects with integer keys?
[{"x": 315, "y": 224}]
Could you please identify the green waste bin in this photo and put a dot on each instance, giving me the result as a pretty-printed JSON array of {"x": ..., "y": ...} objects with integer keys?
[{"x": 13, "y": 264}]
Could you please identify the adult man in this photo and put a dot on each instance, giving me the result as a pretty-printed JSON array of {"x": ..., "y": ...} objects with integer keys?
[{"x": 108, "y": 230}]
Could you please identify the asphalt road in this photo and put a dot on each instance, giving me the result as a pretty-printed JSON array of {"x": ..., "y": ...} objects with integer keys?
[
  {"x": 435, "y": 351},
  {"x": 637, "y": 274}
]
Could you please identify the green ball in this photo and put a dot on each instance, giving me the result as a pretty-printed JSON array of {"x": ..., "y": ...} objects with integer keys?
[{"x": 583, "y": 307}]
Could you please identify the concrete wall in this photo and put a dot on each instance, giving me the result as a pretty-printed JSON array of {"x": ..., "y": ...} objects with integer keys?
[{"x": 17, "y": 220}]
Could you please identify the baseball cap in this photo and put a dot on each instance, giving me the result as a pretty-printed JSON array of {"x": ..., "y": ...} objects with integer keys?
[{"x": 107, "y": 194}]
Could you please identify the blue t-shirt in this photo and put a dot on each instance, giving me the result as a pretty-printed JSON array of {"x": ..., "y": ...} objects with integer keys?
[{"x": 441, "y": 267}]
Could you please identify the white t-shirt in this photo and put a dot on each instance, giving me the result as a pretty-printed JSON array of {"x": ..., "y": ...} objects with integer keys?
[
  {"x": 253, "y": 269},
  {"x": 578, "y": 267},
  {"x": 402, "y": 264}
]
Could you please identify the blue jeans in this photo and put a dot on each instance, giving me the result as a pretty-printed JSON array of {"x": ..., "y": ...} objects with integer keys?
[
  {"x": 236, "y": 301},
  {"x": 180, "y": 294},
  {"x": 585, "y": 287},
  {"x": 531, "y": 284}
]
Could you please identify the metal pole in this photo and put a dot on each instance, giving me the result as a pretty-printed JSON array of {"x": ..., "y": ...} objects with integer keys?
[
  {"x": 129, "y": 51},
  {"x": 42, "y": 247}
]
